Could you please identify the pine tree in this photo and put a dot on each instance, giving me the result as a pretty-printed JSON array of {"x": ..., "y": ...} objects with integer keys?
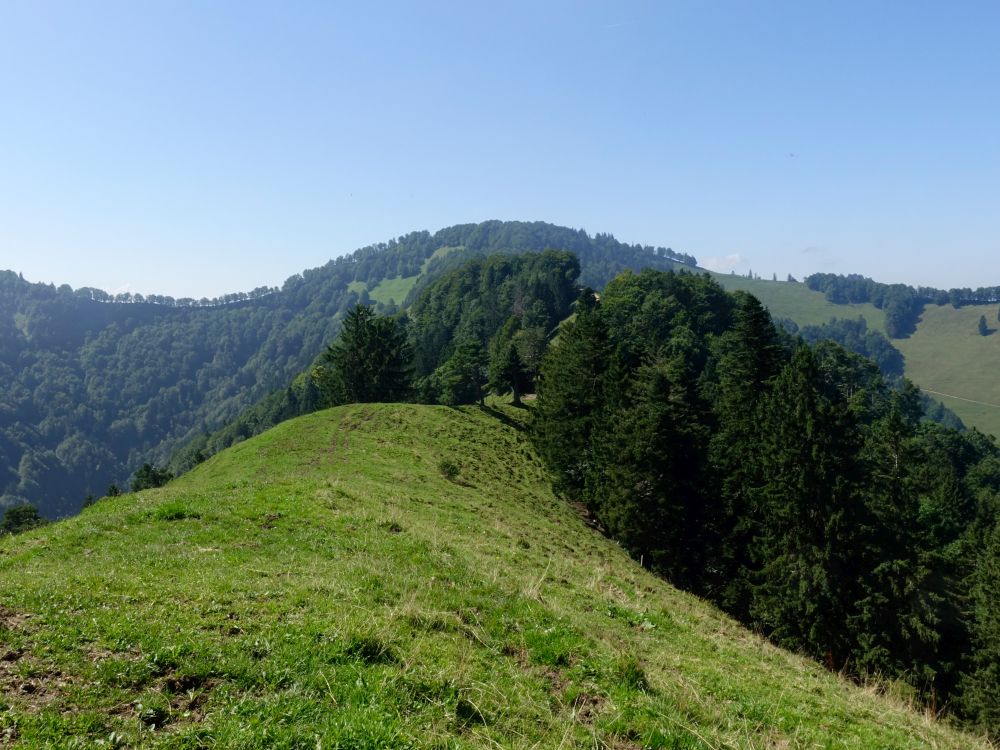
[
  {"x": 746, "y": 360},
  {"x": 571, "y": 394},
  {"x": 895, "y": 617},
  {"x": 809, "y": 507},
  {"x": 650, "y": 463},
  {"x": 980, "y": 696},
  {"x": 462, "y": 379},
  {"x": 369, "y": 361}
]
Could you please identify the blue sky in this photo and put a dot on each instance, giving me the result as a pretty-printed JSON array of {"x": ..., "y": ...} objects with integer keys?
[{"x": 201, "y": 148}]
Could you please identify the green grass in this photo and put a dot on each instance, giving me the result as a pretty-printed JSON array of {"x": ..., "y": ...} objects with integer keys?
[
  {"x": 393, "y": 290},
  {"x": 385, "y": 576},
  {"x": 439, "y": 253},
  {"x": 947, "y": 355},
  {"x": 800, "y": 303}
]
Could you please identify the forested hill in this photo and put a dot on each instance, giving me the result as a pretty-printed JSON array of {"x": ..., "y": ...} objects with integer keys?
[{"x": 93, "y": 384}]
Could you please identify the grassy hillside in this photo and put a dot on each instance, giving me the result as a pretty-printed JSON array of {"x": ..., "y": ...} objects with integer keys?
[
  {"x": 946, "y": 356},
  {"x": 381, "y": 577},
  {"x": 799, "y": 302},
  {"x": 950, "y": 360}
]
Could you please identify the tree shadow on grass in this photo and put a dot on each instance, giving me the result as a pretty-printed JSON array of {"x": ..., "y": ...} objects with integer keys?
[{"x": 497, "y": 414}]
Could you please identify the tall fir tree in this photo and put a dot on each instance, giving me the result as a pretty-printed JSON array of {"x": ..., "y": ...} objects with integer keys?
[
  {"x": 571, "y": 394},
  {"x": 369, "y": 361},
  {"x": 809, "y": 510}
]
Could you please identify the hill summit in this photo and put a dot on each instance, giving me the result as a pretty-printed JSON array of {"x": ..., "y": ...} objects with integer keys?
[{"x": 385, "y": 576}]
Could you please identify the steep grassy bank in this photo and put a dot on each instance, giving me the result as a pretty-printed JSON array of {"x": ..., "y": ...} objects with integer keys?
[{"x": 388, "y": 576}]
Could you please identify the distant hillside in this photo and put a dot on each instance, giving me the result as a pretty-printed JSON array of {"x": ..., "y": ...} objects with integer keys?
[
  {"x": 945, "y": 355},
  {"x": 389, "y": 576},
  {"x": 92, "y": 385}
]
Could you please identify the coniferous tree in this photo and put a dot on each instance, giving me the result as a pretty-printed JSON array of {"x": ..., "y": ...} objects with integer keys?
[
  {"x": 506, "y": 370},
  {"x": 369, "y": 361},
  {"x": 651, "y": 456},
  {"x": 895, "y": 617},
  {"x": 462, "y": 379},
  {"x": 18, "y": 518},
  {"x": 809, "y": 511},
  {"x": 747, "y": 358},
  {"x": 980, "y": 697},
  {"x": 149, "y": 476},
  {"x": 571, "y": 394}
]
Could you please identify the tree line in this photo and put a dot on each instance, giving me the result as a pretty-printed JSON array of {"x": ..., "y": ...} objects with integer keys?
[
  {"x": 481, "y": 327},
  {"x": 902, "y": 304},
  {"x": 93, "y": 385}
]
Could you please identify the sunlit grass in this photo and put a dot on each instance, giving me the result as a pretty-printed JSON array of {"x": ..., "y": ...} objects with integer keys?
[{"x": 328, "y": 585}]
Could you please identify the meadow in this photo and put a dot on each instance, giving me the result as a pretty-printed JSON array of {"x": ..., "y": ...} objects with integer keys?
[{"x": 386, "y": 576}]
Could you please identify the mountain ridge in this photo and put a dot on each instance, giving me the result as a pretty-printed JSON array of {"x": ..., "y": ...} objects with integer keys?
[
  {"x": 90, "y": 391},
  {"x": 378, "y": 576}
]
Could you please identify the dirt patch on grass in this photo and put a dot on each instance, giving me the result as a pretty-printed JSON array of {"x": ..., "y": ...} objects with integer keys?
[
  {"x": 188, "y": 694},
  {"x": 587, "y": 706},
  {"x": 11, "y": 620},
  {"x": 29, "y": 688}
]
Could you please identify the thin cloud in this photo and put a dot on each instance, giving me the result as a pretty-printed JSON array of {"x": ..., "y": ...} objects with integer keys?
[{"x": 724, "y": 264}]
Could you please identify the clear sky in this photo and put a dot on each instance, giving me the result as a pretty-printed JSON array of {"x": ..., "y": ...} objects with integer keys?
[{"x": 195, "y": 149}]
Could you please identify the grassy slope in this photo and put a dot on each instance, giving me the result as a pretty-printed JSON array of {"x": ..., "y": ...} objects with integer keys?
[
  {"x": 395, "y": 290},
  {"x": 799, "y": 302},
  {"x": 946, "y": 356},
  {"x": 324, "y": 585}
]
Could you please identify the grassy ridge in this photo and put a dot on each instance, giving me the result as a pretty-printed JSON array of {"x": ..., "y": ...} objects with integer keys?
[{"x": 388, "y": 576}]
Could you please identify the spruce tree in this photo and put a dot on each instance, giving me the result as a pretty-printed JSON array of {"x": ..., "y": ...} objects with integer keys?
[
  {"x": 648, "y": 482},
  {"x": 809, "y": 506},
  {"x": 746, "y": 360},
  {"x": 571, "y": 394},
  {"x": 369, "y": 361},
  {"x": 980, "y": 700}
]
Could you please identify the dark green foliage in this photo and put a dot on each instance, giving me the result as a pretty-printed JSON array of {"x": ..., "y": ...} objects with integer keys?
[
  {"x": 570, "y": 394},
  {"x": 507, "y": 371},
  {"x": 854, "y": 336},
  {"x": 369, "y": 361},
  {"x": 792, "y": 484},
  {"x": 462, "y": 379},
  {"x": 149, "y": 476},
  {"x": 93, "y": 385},
  {"x": 18, "y": 518},
  {"x": 496, "y": 311},
  {"x": 809, "y": 507},
  {"x": 981, "y": 696},
  {"x": 449, "y": 469},
  {"x": 902, "y": 304}
]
